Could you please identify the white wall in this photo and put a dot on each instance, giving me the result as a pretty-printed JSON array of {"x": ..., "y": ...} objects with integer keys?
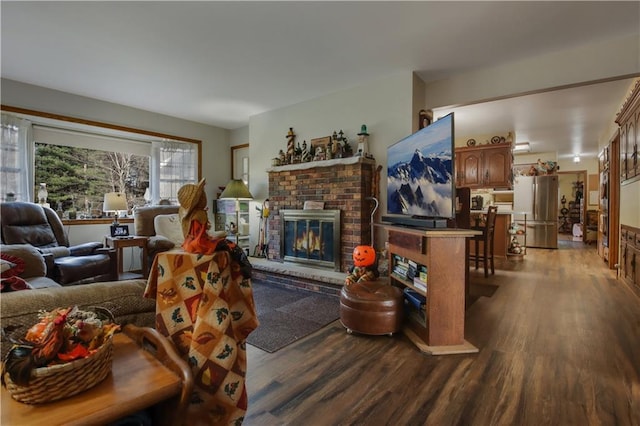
[
  {"x": 613, "y": 58},
  {"x": 239, "y": 136},
  {"x": 215, "y": 141},
  {"x": 385, "y": 106}
]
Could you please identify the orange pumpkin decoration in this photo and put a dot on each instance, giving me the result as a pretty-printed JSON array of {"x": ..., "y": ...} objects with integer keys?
[{"x": 364, "y": 256}]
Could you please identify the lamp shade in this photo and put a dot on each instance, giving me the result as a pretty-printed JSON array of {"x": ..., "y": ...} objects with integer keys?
[
  {"x": 114, "y": 202},
  {"x": 236, "y": 190}
]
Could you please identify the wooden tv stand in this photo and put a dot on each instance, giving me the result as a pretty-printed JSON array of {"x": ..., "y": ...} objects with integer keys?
[{"x": 444, "y": 253}]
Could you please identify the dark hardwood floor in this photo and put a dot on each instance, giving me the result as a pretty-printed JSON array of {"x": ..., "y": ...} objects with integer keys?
[{"x": 559, "y": 341}]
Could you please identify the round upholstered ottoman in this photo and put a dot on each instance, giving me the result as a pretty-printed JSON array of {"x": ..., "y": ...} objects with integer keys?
[{"x": 371, "y": 307}]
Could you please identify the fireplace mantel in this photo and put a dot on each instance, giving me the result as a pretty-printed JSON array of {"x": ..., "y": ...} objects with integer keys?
[{"x": 321, "y": 163}]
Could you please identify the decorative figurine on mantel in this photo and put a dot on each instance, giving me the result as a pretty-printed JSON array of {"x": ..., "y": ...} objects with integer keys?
[
  {"x": 346, "y": 148},
  {"x": 363, "y": 142},
  {"x": 306, "y": 157},
  {"x": 330, "y": 146},
  {"x": 291, "y": 137},
  {"x": 297, "y": 156},
  {"x": 319, "y": 154}
]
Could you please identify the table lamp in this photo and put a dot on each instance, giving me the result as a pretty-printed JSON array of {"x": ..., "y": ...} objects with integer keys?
[
  {"x": 114, "y": 202},
  {"x": 236, "y": 190}
]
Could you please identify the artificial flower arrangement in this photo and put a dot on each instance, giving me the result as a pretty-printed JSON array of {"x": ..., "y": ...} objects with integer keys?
[{"x": 61, "y": 336}]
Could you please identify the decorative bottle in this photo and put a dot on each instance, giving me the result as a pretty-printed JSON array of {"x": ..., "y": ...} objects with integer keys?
[{"x": 42, "y": 194}]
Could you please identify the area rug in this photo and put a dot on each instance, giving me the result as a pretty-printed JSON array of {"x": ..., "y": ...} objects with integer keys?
[{"x": 287, "y": 315}]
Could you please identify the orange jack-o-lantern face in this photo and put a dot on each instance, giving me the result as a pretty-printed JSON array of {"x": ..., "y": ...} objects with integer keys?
[{"x": 364, "y": 256}]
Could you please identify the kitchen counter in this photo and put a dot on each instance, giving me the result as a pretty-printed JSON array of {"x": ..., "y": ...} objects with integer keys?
[
  {"x": 500, "y": 212},
  {"x": 501, "y": 232}
]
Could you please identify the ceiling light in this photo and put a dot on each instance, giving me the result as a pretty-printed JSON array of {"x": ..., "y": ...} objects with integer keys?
[
  {"x": 522, "y": 147},
  {"x": 576, "y": 159}
]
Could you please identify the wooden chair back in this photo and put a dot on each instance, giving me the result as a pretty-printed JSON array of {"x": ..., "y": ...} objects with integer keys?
[
  {"x": 159, "y": 346},
  {"x": 491, "y": 223}
]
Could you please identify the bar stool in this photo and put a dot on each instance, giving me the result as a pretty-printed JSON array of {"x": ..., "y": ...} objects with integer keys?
[{"x": 486, "y": 238}]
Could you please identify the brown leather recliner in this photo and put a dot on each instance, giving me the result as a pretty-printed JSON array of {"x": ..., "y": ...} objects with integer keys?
[{"x": 29, "y": 223}]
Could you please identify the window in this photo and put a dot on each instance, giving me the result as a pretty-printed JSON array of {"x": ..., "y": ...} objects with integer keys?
[
  {"x": 174, "y": 164},
  {"x": 79, "y": 165},
  {"x": 15, "y": 159},
  {"x": 77, "y": 178}
]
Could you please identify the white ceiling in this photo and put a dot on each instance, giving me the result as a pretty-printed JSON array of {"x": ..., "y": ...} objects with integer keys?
[{"x": 219, "y": 63}]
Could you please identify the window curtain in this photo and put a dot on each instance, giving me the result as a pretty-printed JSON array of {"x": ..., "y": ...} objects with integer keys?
[
  {"x": 16, "y": 159},
  {"x": 173, "y": 164}
]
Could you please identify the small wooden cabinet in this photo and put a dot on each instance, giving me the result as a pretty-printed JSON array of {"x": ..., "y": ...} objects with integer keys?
[
  {"x": 443, "y": 254},
  {"x": 630, "y": 257},
  {"x": 486, "y": 166}
]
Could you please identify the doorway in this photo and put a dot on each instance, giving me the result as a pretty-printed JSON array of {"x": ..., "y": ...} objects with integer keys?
[
  {"x": 573, "y": 221},
  {"x": 240, "y": 163}
]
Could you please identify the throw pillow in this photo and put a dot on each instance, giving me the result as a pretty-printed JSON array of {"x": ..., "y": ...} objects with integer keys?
[
  {"x": 5, "y": 265},
  {"x": 34, "y": 264},
  {"x": 11, "y": 265},
  {"x": 14, "y": 283},
  {"x": 169, "y": 226}
]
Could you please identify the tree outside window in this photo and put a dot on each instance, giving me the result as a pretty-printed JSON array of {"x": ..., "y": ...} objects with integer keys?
[{"x": 78, "y": 178}]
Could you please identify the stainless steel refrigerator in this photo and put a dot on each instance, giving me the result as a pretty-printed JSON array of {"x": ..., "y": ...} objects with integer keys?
[{"x": 538, "y": 197}]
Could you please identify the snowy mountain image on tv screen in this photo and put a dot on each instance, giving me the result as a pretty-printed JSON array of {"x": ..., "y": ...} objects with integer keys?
[{"x": 420, "y": 173}]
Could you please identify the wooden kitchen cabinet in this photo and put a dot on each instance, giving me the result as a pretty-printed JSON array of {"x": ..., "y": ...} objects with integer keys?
[
  {"x": 486, "y": 166},
  {"x": 468, "y": 168},
  {"x": 629, "y": 119}
]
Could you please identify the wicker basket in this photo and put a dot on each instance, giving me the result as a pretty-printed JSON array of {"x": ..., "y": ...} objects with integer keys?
[{"x": 61, "y": 381}]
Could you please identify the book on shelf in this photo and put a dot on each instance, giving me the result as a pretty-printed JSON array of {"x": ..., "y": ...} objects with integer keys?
[
  {"x": 412, "y": 270},
  {"x": 422, "y": 274},
  {"x": 418, "y": 316},
  {"x": 399, "y": 276},
  {"x": 418, "y": 283},
  {"x": 414, "y": 304}
]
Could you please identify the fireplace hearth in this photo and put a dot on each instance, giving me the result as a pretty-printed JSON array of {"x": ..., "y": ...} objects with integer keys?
[{"x": 311, "y": 237}]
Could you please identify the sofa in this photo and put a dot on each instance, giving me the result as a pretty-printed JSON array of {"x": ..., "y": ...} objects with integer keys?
[
  {"x": 28, "y": 264},
  {"x": 19, "y": 309}
]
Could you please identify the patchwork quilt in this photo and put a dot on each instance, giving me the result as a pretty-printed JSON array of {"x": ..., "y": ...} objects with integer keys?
[{"x": 206, "y": 307}]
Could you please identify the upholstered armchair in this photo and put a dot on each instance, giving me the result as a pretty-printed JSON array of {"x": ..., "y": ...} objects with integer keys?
[
  {"x": 40, "y": 227},
  {"x": 144, "y": 222}
]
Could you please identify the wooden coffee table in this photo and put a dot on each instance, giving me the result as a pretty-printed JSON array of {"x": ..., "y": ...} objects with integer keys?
[{"x": 140, "y": 379}]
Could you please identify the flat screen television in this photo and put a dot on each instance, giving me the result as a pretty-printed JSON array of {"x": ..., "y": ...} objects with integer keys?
[{"x": 421, "y": 178}]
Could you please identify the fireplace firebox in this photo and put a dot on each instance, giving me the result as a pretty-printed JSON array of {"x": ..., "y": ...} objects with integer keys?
[{"x": 311, "y": 237}]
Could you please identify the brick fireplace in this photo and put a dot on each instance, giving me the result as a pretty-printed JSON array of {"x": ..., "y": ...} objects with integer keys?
[{"x": 342, "y": 184}]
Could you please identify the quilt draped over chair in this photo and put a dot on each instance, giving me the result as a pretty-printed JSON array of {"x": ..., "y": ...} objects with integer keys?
[{"x": 205, "y": 305}]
